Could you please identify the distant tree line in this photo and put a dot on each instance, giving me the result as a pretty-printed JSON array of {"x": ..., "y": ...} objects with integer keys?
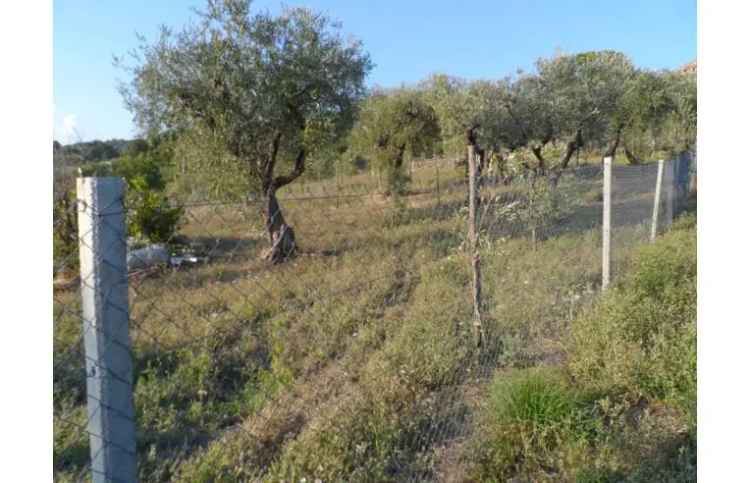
[
  {"x": 96, "y": 150},
  {"x": 598, "y": 101}
]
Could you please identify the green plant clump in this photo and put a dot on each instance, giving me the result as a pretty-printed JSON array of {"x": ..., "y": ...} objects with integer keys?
[{"x": 622, "y": 405}]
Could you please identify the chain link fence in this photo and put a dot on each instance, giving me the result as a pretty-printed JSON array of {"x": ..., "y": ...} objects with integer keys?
[{"x": 354, "y": 360}]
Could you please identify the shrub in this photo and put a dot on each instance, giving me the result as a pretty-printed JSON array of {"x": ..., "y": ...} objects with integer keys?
[
  {"x": 534, "y": 399},
  {"x": 622, "y": 408},
  {"x": 531, "y": 413},
  {"x": 398, "y": 181},
  {"x": 65, "y": 233},
  {"x": 641, "y": 340},
  {"x": 636, "y": 352},
  {"x": 150, "y": 215},
  {"x": 144, "y": 168}
]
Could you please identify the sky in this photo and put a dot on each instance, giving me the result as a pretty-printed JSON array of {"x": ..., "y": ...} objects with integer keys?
[{"x": 407, "y": 39}]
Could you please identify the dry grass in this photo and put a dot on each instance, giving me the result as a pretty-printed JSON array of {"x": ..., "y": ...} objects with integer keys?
[{"x": 353, "y": 361}]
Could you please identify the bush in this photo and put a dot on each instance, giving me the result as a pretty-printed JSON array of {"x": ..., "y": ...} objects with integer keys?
[
  {"x": 641, "y": 341},
  {"x": 531, "y": 414},
  {"x": 397, "y": 181},
  {"x": 150, "y": 215},
  {"x": 65, "y": 233},
  {"x": 143, "y": 169},
  {"x": 534, "y": 399},
  {"x": 622, "y": 407}
]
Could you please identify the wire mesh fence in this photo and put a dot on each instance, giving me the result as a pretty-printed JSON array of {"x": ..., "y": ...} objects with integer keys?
[{"x": 352, "y": 360}]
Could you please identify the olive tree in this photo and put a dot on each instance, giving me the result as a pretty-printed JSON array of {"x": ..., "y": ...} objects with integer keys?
[
  {"x": 489, "y": 121},
  {"x": 256, "y": 87},
  {"x": 645, "y": 108},
  {"x": 658, "y": 112},
  {"x": 447, "y": 96},
  {"x": 570, "y": 99},
  {"x": 390, "y": 126},
  {"x": 474, "y": 109},
  {"x": 681, "y": 125}
]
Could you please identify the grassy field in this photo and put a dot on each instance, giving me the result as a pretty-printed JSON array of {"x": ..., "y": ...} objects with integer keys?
[{"x": 354, "y": 361}]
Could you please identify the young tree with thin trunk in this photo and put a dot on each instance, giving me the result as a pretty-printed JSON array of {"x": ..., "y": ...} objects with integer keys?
[{"x": 260, "y": 87}]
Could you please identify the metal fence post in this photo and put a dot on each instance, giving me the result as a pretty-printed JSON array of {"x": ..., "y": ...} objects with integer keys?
[
  {"x": 606, "y": 222},
  {"x": 657, "y": 200},
  {"x": 109, "y": 366}
]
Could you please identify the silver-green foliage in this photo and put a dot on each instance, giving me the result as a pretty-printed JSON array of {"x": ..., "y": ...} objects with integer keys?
[
  {"x": 254, "y": 86},
  {"x": 391, "y": 126}
]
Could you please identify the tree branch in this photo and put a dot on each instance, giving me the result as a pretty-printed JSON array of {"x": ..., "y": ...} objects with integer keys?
[
  {"x": 400, "y": 156},
  {"x": 537, "y": 150},
  {"x": 632, "y": 158},
  {"x": 271, "y": 164},
  {"x": 299, "y": 168},
  {"x": 570, "y": 149},
  {"x": 613, "y": 147},
  {"x": 524, "y": 135}
]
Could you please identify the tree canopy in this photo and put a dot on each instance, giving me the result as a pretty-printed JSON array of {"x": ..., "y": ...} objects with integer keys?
[
  {"x": 598, "y": 100},
  {"x": 392, "y": 125},
  {"x": 257, "y": 83},
  {"x": 260, "y": 88}
]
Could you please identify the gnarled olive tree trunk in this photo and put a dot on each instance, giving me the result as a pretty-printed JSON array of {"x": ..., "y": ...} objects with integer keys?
[
  {"x": 571, "y": 147},
  {"x": 632, "y": 158},
  {"x": 280, "y": 234},
  {"x": 612, "y": 148}
]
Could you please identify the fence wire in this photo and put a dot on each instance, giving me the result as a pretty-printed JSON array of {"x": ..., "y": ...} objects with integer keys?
[{"x": 353, "y": 360}]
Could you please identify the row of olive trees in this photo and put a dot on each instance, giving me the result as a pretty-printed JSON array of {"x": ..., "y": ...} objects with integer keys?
[
  {"x": 595, "y": 100},
  {"x": 255, "y": 100}
]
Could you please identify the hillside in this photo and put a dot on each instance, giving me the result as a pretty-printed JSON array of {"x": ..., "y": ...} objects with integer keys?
[
  {"x": 91, "y": 151},
  {"x": 354, "y": 361}
]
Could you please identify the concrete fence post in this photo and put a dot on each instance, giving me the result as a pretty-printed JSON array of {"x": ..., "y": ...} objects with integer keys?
[
  {"x": 657, "y": 200},
  {"x": 606, "y": 222},
  {"x": 109, "y": 365}
]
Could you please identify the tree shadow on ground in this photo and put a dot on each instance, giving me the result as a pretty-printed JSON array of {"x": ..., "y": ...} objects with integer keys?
[{"x": 219, "y": 248}]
